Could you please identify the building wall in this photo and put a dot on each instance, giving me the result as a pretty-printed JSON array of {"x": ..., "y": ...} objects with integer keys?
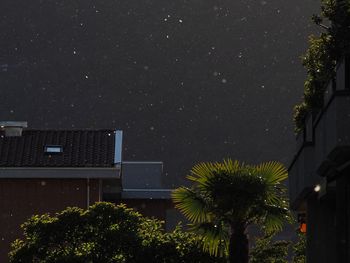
[
  {"x": 21, "y": 198},
  {"x": 150, "y": 207},
  {"x": 328, "y": 221},
  {"x": 321, "y": 230},
  {"x": 343, "y": 218}
]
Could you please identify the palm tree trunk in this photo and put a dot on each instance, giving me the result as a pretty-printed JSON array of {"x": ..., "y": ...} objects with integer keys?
[{"x": 238, "y": 247}]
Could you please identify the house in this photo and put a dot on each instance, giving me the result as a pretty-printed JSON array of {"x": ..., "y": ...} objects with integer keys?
[
  {"x": 319, "y": 180},
  {"x": 47, "y": 170}
]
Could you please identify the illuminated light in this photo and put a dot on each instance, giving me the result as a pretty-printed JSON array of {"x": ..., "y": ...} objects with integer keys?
[
  {"x": 317, "y": 188},
  {"x": 302, "y": 228}
]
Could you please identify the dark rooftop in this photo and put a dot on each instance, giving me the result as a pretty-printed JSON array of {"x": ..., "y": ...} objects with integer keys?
[{"x": 80, "y": 148}]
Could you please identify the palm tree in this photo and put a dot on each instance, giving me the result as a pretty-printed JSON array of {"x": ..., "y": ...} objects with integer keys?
[{"x": 229, "y": 196}]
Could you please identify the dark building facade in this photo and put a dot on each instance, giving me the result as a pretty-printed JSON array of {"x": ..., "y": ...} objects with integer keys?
[
  {"x": 44, "y": 171},
  {"x": 319, "y": 180}
]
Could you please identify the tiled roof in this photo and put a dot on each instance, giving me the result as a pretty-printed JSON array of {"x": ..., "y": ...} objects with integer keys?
[{"x": 81, "y": 148}]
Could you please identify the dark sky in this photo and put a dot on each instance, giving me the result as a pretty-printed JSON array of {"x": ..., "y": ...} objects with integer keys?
[{"x": 187, "y": 80}]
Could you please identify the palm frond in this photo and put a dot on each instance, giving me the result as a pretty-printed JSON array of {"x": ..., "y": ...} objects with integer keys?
[
  {"x": 214, "y": 237},
  {"x": 275, "y": 218},
  {"x": 201, "y": 172},
  {"x": 230, "y": 166},
  {"x": 191, "y": 204},
  {"x": 272, "y": 172}
]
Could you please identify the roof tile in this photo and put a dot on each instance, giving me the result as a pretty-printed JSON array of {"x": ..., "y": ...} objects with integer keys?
[{"x": 81, "y": 148}]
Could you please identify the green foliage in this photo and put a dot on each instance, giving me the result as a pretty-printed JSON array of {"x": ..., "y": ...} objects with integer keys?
[
  {"x": 299, "y": 116},
  {"x": 268, "y": 251},
  {"x": 104, "y": 233},
  {"x": 320, "y": 67},
  {"x": 227, "y": 196},
  {"x": 322, "y": 55},
  {"x": 299, "y": 249}
]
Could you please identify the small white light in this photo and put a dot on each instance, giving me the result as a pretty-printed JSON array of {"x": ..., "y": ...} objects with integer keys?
[{"x": 317, "y": 188}]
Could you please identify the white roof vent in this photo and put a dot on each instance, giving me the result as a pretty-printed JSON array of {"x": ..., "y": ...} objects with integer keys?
[{"x": 13, "y": 128}]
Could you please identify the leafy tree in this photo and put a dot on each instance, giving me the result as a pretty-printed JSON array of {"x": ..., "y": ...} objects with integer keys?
[
  {"x": 268, "y": 251},
  {"x": 229, "y": 196},
  {"x": 104, "y": 233}
]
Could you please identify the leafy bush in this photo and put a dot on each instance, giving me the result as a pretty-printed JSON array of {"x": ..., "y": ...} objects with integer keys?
[
  {"x": 300, "y": 112},
  {"x": 299, "y": 249},
  {"x": 322, "y": 55},
  {"x": 103, "y": 234},
  {"x": 268, "y": 251}
]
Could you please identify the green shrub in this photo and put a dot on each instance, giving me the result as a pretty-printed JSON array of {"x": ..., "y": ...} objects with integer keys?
[
  {"x": 268, "y": 251},
  {"x": 322, "y": 55},
  {"x": 104, "y": 234},
  {"x": 299, "y": 249}
]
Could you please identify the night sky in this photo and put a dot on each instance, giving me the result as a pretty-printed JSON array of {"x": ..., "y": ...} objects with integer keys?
[{"x": 186, "y": 80}]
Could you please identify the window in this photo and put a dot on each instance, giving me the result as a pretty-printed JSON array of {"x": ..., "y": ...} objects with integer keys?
[{"x": 52, "y": 149}]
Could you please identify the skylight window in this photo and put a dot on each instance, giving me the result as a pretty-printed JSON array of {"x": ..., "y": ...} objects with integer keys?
[{"x": 52, "y": 149}]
